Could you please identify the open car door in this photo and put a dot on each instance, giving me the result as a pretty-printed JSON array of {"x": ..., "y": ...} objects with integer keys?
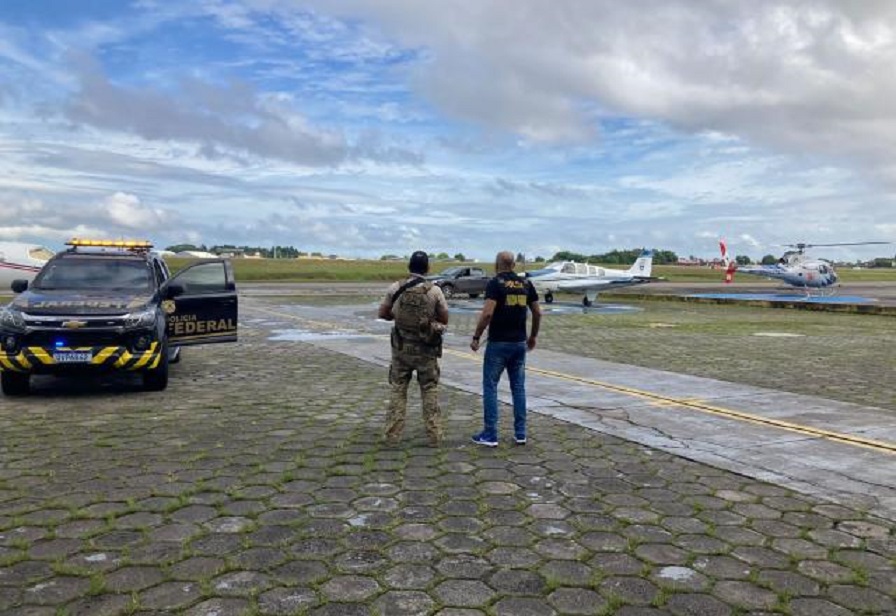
[{"x": 203, "y": 310}]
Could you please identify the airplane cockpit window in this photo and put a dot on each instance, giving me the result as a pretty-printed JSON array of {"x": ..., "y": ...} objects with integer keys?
[
  {"x": 581, "y": 268},
  {"x": 569, "y": 268}
]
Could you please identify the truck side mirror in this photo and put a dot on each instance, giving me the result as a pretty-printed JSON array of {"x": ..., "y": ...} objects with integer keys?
[{"x": 175, "y": 289}]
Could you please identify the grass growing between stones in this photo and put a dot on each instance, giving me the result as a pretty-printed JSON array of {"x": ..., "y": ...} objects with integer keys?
[{"x": 838, "y": 356}]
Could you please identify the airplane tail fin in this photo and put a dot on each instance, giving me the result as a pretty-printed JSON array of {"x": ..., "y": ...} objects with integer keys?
[
  {"x": 730, "y": 266},
  {"x": 643, "y": 265}
]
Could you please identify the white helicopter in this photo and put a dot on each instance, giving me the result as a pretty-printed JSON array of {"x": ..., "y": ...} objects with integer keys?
[
  {"x": 793, "y": 268},
  {"x": 21, "y": 260}
]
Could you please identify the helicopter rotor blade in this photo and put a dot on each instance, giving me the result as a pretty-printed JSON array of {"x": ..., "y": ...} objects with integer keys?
[{"x": 801, "y": 246}]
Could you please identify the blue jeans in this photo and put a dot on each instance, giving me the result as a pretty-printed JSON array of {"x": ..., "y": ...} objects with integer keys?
[{"x": 500, "y": 356}]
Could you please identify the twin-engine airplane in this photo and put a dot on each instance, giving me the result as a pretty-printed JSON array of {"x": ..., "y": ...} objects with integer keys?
[
  {"x": 572, "y": 277},
  {"x": 21, "y": 261},
  {"x": 793, "y": 268}
]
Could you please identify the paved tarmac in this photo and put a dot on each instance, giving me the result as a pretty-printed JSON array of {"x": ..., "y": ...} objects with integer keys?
[
  {"x": 882, "y": 293},
  {"x": 257, "y": 484}
]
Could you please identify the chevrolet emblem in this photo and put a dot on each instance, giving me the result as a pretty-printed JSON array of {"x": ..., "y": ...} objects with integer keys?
[{"x": 73, "y": 324}]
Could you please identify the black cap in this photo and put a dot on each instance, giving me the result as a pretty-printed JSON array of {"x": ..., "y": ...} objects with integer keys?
[{"x": 419, "y": 262}]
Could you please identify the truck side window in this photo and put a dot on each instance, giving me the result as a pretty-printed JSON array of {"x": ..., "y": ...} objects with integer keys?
[{"x": 204, "y": 278}]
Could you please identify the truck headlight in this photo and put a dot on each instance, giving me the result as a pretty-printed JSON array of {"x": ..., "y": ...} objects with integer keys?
[
  {"x": 144, "y": 318},
  {"x": 11, "y": 319}
]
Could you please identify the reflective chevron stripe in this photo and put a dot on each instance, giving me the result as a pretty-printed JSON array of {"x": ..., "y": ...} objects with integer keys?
[{"x": 115, "y": 357}]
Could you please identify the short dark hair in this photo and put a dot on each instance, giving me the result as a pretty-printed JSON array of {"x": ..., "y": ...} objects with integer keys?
[{"x": 419, "y": 263}]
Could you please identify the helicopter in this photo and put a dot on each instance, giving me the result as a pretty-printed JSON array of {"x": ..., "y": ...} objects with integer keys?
[{"x": 794, "y": 267}]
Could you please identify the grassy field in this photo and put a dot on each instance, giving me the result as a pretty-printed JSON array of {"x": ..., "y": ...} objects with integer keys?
[
  {"x": 297, "y": 270},
  {"x": 836, "y": 356}
]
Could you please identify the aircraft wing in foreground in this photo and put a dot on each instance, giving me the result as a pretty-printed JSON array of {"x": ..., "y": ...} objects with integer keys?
[
  {"x": 21, "y": 261},
  {"x": 588, "y": 280}
]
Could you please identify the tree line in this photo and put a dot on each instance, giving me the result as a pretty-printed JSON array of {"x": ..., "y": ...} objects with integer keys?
[
  {"x": 617, "y": 256},
  {"x": 268, "y": 252}
]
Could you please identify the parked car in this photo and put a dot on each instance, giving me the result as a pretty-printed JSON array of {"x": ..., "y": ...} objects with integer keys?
[{"x": 462, "y": 279}]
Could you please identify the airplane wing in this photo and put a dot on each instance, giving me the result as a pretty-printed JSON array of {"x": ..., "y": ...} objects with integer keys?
[{"x": 595, "y": 284}]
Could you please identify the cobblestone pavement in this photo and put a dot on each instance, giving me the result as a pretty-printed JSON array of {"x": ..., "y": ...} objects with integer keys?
[{"x": 257, "y": 484}]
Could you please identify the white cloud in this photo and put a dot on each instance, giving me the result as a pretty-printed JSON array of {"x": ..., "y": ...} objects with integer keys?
[
  {"x": 126, "y": 211},
  {"x": 804, "y": 76},
  {"x": 380, "y": 126}
]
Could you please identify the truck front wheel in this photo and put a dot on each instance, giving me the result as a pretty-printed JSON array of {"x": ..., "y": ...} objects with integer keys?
[{"x": 156, "y": 379}]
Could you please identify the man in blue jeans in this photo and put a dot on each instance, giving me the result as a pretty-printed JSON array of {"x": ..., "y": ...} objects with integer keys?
[{"x": 508, "y": 299}]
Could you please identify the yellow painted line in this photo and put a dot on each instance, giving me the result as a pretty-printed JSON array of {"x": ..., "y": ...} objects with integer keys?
[
  {"x": 710, "y": 409},
  {"x": 660, "y": 399}
]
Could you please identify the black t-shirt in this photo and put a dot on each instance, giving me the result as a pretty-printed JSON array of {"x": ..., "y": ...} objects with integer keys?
[{"x": 513, "y": 296}]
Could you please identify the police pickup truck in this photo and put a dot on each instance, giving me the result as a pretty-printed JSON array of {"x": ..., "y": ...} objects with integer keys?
[{"x": 108, "y": 305}]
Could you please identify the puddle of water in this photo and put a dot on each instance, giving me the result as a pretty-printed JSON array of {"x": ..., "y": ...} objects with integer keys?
[
  {"x": 678, "y": 574},
  {"x": 304, "y": 335},
  {"x": 358, "y": 520},
  {"x": 778, "y": 297},
  {"x": 554, "y": 308}
]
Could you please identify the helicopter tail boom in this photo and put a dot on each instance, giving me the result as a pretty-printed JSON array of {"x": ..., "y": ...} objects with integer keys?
[{"x": 730, "y": 266}]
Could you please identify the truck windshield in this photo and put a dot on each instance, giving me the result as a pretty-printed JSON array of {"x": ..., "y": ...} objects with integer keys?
[{"x": 95, "y": 274}]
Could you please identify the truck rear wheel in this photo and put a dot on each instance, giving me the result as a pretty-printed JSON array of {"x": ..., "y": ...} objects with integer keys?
[{"x": 15, "y": 383}]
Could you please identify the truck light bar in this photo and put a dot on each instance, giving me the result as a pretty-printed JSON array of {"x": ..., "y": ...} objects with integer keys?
[{"x": 128, "y": 244}]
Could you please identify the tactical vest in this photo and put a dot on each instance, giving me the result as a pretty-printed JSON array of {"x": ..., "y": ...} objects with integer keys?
[{"x": 414, "y": 314}]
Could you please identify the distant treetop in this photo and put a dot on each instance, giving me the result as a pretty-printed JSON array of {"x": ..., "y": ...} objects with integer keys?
[{"x": 616, "y": 256}]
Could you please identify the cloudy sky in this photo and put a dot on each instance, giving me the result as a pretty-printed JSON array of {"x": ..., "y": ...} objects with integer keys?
[{"x": 366, "y": 127}]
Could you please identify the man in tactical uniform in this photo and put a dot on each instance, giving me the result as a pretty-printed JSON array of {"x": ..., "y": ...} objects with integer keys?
[{"x": 420, "y": 314}]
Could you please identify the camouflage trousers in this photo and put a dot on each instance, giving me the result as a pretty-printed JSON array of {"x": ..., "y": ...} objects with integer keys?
[{"x": 405, "y": 362}]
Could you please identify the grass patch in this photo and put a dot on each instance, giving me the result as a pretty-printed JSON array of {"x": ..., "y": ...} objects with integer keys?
[{"x": 363, "y": 270}]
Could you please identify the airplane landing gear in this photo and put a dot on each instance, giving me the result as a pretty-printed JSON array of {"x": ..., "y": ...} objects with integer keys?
[
  {"x": 548, "y": 297},
  {"x": 586, "y": 302}
]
